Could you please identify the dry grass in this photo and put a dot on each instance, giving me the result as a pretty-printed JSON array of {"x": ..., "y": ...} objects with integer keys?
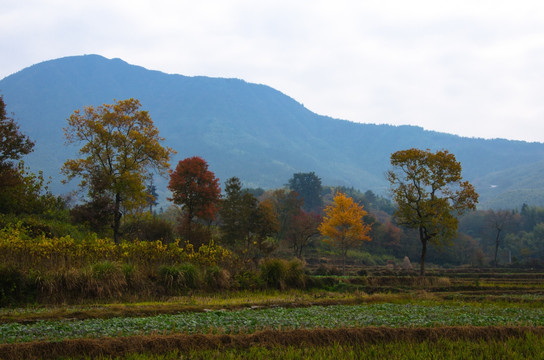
[{"x": 321, "y": 337}]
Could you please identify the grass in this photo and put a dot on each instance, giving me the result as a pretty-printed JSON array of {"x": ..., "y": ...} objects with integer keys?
[{"x": 527, "y": 347}]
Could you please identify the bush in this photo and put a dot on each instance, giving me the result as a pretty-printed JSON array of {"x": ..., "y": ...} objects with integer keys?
[
  {"x": 217, "y": 278},
  {"x": 274, "y": 273},
  {"x": 14, "y": 286},
  {"x": 171, "y": 278},
  {"x": 105, "y": 280},
  {"x": 176, "y": 278},
  {"x": 295, "y": 274},
  {"x": 327, "y": 270},
  {"x": 148, "y": 229},
  {"x": 247, "y": 280},
  {"x": 191, "y": 275}
]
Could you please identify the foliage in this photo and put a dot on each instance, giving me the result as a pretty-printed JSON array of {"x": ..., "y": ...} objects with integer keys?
[
  {"x": 303, "y": 231},
  {"x": 498, "y": 221},
  {"x": 308, "y": 187},
  {"x": 430, "y": 193},
  {"x": 274, "y": 273},
  {"x": 14, "y": 287},
  {"x": 13, "y": 144},
  {"x": 343, "y": 225},
  {"x": 250, "y": 321},
  {"x": 45, "y": 254},
  {"x": 246, "y": 224},
  {"x": 196, "y": 189},
  {"x": 286, "y": 204},
  {"x": 148, "y": 228},
  {"x": 121, "y": 146}
]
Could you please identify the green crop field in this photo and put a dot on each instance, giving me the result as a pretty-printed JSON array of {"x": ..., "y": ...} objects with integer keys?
[{"x": 442, "y": 317}]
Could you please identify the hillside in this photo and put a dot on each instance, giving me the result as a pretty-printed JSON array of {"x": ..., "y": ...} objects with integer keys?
[{"x": 253, "y": 131}]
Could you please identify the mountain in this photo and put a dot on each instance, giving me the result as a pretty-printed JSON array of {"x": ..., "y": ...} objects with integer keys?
[{"x": 253, "y": 131}]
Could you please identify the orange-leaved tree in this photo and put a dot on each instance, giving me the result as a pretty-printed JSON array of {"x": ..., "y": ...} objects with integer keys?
[
  {"x": 343, "y": 225},
  {"x": 196, "y": 190},
  {"x": 121, "y": 148}
]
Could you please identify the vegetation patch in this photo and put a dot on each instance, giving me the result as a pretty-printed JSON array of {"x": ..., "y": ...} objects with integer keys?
[{"x": 184, "y": 343}]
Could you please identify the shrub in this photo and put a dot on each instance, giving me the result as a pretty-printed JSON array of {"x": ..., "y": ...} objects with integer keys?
[
  {"x": 247, "y": 280},
  {"x": 148, "y": 229},
  {"x": 327, "y": 270},
  {"x": 191, "y": 276},
  {"x": 106, "y": 279},
  {"x": 176, "y": 278},
  {"x": 217, "y": 278},
  {"x": 14, "y": 286},
  {"x": 171, "y": 278},
  {"x": 295, "y": 276},
  {"x": 274, "y": 273}
]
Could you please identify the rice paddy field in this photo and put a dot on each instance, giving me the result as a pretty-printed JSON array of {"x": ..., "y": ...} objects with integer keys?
[{"x": 456, "y": 314}]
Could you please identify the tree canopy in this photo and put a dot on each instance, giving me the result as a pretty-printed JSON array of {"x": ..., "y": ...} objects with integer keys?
[
  {"x": 196, "y": 189},
  {"x": 308, "y": 187},
  {"x": 430, "y": 194},
  {"x": 13, "y": 144},
  {"x": 121, "y": 148},
  {"x": 343, "y": 225}
]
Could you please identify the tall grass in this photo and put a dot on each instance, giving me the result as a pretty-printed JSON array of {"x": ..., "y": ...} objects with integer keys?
[{"x": 527, "y": 347}]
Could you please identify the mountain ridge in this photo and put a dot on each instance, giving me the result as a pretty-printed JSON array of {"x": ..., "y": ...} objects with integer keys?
[{"x": 249, "y": 130}]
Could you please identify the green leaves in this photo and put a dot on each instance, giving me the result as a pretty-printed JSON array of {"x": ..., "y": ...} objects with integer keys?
[{"x": 249, "y": 321}]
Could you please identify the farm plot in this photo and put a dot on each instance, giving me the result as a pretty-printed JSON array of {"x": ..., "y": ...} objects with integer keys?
[{"x": 253, "y": 320}]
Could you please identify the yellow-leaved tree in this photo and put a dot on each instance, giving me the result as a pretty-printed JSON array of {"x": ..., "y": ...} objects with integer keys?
[
  {"x": 121, "y": 148},
  {"x": 343, "y": 225},
  {"x": 430, "y": 193}
]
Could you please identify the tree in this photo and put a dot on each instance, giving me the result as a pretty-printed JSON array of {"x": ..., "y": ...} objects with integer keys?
[
  {"x": 498, "y": 221},
  {"x": 152, "y": 196},
  {"x": 13, "y": 144},
  {"x": 245, "y": 222},
  {"x": 430, "y": 194},
  {"x": 236, "y": 208},
  {"x": 343, "y": 225},
  {"x": 287, "y": 205},
  {"x": 21, "y": 191},
  {"x": 302, "y": 231},
  {"x": 121, "y": 148},
  {"x": 196, "y": 189},
  {"x": 308, "y": 186}
]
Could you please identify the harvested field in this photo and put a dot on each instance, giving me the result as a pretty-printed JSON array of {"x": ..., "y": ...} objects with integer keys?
[{"x": 320, "y": 337}]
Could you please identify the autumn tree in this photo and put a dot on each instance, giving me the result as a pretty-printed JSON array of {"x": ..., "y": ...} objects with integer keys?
[
  {"x": 430, "y": 194},
  {"x": 121, "y": 148},
  {"x": 196, "y": 190},
  {"x": 13, "y": 144},
  {"x": 21, "y": 191},
  {"x": 308, "y": 187},
  {"x": 343, "y": 225},
  {"x": 287, "y": 204},
  {"x": 302, "y": 231}
]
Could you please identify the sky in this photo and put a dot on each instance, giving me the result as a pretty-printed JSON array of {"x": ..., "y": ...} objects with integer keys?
[{"x": 471, "y": 68}]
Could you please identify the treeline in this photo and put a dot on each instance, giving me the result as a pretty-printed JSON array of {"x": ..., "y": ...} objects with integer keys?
[{"x": 120, "y": 152}]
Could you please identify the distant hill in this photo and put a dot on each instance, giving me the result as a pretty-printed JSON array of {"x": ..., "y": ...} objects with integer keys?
[{"x": 253, "y": 131}]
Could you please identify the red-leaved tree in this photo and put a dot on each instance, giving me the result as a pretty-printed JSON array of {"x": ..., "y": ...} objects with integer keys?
[{"x": 196, "y": 190}]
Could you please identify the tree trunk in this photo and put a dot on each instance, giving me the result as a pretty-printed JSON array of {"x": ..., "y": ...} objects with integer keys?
[
  {"x": 117, "y": 218},
  {"x": 423, "y": 239},
  {"x": 497, "y": 239},
  {"x": 344, "y": 253}
]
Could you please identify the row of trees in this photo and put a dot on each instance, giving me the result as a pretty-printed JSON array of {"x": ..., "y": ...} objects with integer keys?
[{"x": 121, "y": 149}]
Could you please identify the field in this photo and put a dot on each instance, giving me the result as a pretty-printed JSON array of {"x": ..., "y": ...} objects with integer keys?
[{"x": 449, "y": 314}]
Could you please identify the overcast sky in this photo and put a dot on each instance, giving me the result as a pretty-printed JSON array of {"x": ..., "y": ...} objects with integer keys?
[{"x": 472, "y": 68}]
